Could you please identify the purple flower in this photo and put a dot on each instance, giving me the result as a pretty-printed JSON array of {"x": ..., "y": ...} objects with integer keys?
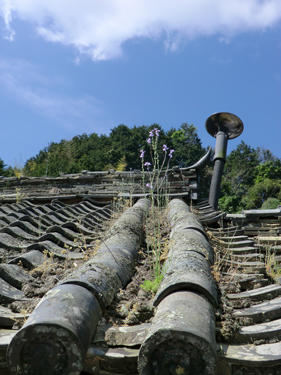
[
  {"x": 142, "y": 154},
  {"x": 148, "y": 140},
  {"x": 156, "y": 132},
  {"x": 147, "y": 164},
  {"x": 149, "y": 186},
  {"x": 171, "y": 153},
  {"x": 165, "y": 148}
]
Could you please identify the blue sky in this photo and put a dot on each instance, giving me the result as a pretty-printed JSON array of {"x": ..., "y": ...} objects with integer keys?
[{"x": 69, "y": 67}]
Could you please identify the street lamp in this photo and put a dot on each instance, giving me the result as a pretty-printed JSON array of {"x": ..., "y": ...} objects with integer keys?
[{"x": 222, "y": 126}]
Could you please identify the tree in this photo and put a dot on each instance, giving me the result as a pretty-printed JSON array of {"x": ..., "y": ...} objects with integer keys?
[
  {"x": 271, "y": 203},
  {"x": 261, "y": 192},
  {"x": 187, "y": 145},
  {"x": 265, "y": 155},
  {"x": 269, "y": 169},
  {"x": 98, "y": 152},
  {"x": 251, "y": 177},
  {"x": 2, "y": 167},
  {"x": 239, "y": 176},
  {"x": 4, "y": 170}
]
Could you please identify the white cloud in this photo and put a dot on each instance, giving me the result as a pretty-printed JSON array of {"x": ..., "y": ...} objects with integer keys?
[
  {"x": 101, "y": 27},
  {"x": 5, "y": 12},
  {"x": 25, "y": 83}
]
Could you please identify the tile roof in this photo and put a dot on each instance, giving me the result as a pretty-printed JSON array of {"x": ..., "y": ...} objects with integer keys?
[{"x": 58, "y": 221}]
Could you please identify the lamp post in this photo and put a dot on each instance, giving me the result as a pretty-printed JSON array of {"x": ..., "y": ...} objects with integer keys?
[{"x": 222, "y": 126}]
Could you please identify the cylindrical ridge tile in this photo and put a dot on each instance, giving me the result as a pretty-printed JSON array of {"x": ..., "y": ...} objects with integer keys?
[
  {"x": 181, "y": 339},
  {"x": 55, "y": 338},
  {"x": 113, "y": 265}
]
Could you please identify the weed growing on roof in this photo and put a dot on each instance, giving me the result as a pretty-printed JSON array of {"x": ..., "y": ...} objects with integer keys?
[
  {"x": 157, "y": 242},
  {"x": 152, "y": 285},
  {"x": 224, "y": 271},
  {"x": 272, "y": 265},
  {"x": 18, "y": 172},
  {"x": 19, "y": 195},
  {"x": 223, "y": 256},
  {"x": 156, "y": 187},
  {"x": 120, "y": 204},
  {"x": 43, "y": 269},
  {"x": 157, "y": 175}
]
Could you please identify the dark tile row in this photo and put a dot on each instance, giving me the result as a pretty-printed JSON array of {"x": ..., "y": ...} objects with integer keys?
[{"x": 29, "y": 234}]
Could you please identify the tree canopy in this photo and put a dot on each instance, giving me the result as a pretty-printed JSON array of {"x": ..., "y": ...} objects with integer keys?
[
  {"x": 251, "y": 179},
  {"x": 121, "y": 147},
  {"x": 4, "y": 170},
  {"x": 251, "y": 176}
]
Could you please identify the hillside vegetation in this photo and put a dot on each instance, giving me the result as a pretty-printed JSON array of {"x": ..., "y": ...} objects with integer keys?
[
  {"x": 118, "y": 150},
  {"x": 252, "y": 177}
]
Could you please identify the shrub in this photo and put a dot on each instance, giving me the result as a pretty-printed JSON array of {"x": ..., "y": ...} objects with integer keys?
[{"x": 270, "y": 203}]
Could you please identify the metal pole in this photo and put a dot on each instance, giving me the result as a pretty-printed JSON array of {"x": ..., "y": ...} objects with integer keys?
[
  {"x": 222, "y": 126},
  {"x": 219, "y": 161}
]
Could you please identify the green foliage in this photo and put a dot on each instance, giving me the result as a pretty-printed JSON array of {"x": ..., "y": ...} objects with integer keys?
[
  {"x": 260, "y": 192},
  {"x": 265, "y": 155},
  {"x": 229, "y": 203},
  {"x": 2, "y": 167},
  {"x": 6, "y": 171},
  {"x": 251, "y": 176},
  {"x": 187, "y": 145},
  {"x": 271, "y": 203},
  {"x": 269, "y": 169},
  {"x": 239, "y": 176},
  {"x": 152, "y": 285},
  {"x": 100, "y": 152},
  {"x": 240, "y": 167}
]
